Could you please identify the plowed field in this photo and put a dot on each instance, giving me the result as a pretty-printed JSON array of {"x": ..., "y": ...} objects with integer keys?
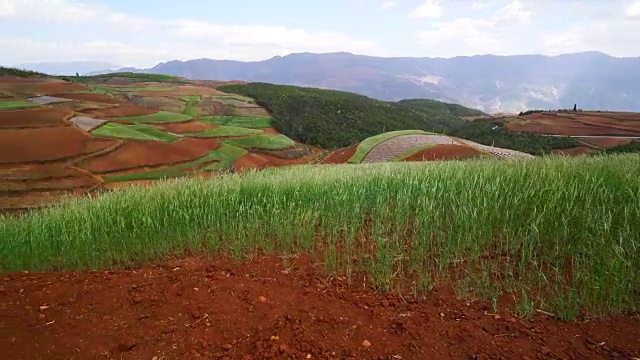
[
  {"x": 47, "y": 144},
  {"x": 340, "y": 156},
  {"x": 217, "y": 309},
  {"x": 123, "y": 110},
  {"x": 57, "y": 86},
  {"x": 399, "y": 145},
  {"x": 149, "y": 154},
  {"x": 33, "y": 118},
  {"x": 444, "y": 152},
  {"x": 100, "y": 98},
  {"x": 603, "y": 142}
]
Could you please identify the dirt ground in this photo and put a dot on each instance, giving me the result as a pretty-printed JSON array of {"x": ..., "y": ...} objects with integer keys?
[
  {"x": 444, "y": 152},
  {"x": 264, "y": 309},
  {"x": 31, "y": 118},
  {"x": 140, "y": 154},
  {"x": 341, "y": 156}
]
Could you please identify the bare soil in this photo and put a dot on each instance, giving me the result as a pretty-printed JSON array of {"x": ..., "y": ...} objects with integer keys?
[
  {"x": 576, "y": 151},
  {"x": 140, "y": 154},
  {"x": 32, "y": 118},
  {"x": 444, "y": 152},
  {"x": 340, "y": 156},
  {"x": 122, "y": 110},
  {"x": 604, "y": 142},
  {"x": 262, "y": 309},
  {"x": 99, "y": 98},
  {"x": 47, "y": 144}
]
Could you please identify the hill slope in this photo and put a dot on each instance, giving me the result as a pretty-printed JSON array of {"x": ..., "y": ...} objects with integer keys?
[
  {"x": 491, "y": 83},
  {"x": 332, "y": 119}
]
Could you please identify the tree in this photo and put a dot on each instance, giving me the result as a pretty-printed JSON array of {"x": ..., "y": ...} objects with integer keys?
[
  {"x": 77, "y": 75},
  {"x": 575, "y": 107}
]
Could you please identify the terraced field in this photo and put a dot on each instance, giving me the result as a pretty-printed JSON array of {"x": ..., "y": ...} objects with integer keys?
[{"x": 59, "y": 138}]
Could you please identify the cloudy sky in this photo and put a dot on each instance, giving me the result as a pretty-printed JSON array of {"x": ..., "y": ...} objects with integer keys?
[{"x": 144, "y": 32}]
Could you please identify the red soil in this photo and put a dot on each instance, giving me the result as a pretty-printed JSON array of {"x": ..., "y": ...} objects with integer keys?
[
  {"x": 39, "y": 172},
  {"x": 100, "y": 98},
  {"x": 444, "y": 152},
  {"x": 269, "y": 131},
  {"x": 214, "y": 309},
  {"x": 10, "y": 79},
  {"x": 576, "y": 151},
  {"x": 571, "y": 128},
  {"x": 83, "y": 181},
  {"x": 57, "y": 86},
  {"x": 185, "y": 127},
  {"x": 123, "y": 110},
  {"x": 250, "y": 161},
  {"x": 148, "y": 154},
  {"x": 183, "y": 90},
  {"x": 340, "y": 156},
  {"x": 47, "y": 144},
  {"x": 32, "y": 118},
  {"x": 603, "y": 142}
]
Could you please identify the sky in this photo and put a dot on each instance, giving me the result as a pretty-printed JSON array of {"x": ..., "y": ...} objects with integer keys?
[{"x": 142, "y": 33}]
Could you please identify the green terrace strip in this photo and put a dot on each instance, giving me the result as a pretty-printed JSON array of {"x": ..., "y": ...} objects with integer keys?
[
  {"x": 225, "y": 131},
  {"x": 266, "y": 142},
  {"x": 191, "y": 100},
  {"x": 239, "y": 121},
  {"x": 219, "y": 159},
  {"x": 19, "y": 104},
  {"x": 135, "y": 131},
  {"x": 557, "y": 234},
  {"x": 138, "y": 77},
  {"x": 159, "y": 117},
  {"x": 368, "y": 144}
]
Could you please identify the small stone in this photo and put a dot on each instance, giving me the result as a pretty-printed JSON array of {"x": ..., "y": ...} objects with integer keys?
[
  {"x": 366, "y": 343},
  {"x": 497, "y": 317},
  {"x": 127, "y": 344},
  {"x": 262, "y": 299},
  {"x": 42, "y": 316},
  {"x": 441, "y": 314},
  {"x": 227, "y": 347},
  {"x": 43, "y": 307},
  {"x": 155, "y": 358},
  {"x": 283, "y": 348},
  {"x": 545, "y": 350},
  {"x": 252, "y": 308}
]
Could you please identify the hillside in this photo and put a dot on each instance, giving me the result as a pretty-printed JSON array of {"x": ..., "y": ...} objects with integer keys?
[
  {"x": 59, "y": 137},
  {"x": 332, "y": 119},
  {"x": 490, "y": 83}
]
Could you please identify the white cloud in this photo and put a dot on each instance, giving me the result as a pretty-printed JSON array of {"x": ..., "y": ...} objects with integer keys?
[
  {"x": 633, "y": 10},
  {"x": 388, "y": 5},
  {"x": 139, "y": 41},
  {"x": 514, "y": 13},
  {"x": 431, "y": 9}
]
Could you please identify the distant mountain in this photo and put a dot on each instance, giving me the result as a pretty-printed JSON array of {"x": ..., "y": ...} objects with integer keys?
[
  {"x": 490, "y": 83},
  {"x": 70, "y": 68}
]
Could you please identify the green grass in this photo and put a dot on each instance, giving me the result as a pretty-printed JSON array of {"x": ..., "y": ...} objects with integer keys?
[
  {"x": 224, "y": 131},
  {"x": 558, "y": 234},
  {"x": 267, "y": 142},
  {"x": 234, "y": 97},
  {"x": 191, "y": 109},
  {"x": 19, "y": 104},
  {"x": 19, "y": 72},
  {"x": 368, "y": 144},
  {"x": 135, "y": 131},
  {"x": 223, "y": 158},
  {"x": 239, "y": 121},
  {"x": 159, "y": 117}
]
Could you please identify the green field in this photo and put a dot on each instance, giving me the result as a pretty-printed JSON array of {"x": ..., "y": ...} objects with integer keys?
[
  {"x": 366, "y": 145},
  {"x": 11, "y": 105},
  {"x": 159, "y": 117},
  {"x": 221, "y": 158},
  {"x": 239, "y": 121},
  {"x": 135, "y": 131},
  {"x": 234, "y": 97},
  {"x": 558, "y": 234},
  {"x": 191, "y": 109},
  {"x": 266, "y": 142},
  {"x": 225, "y": 131}
]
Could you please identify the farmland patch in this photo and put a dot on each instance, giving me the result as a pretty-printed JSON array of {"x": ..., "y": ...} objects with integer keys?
[
  {"x": 33, "y": 118},
  {"x": 225, "y": 131},
  {"x": 86, "y": 123},
  {"x": 46, "y": 100},
  {"x": 267, "y": 142},
  {"x": 135, "y": 132},
  {"x": 159, "y": 117}
]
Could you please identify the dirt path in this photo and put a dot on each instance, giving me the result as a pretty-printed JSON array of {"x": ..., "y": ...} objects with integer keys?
[{"x": 197, "y": 309}]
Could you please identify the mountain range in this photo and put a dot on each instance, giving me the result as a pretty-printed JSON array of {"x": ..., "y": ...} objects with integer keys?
[{"x": 490, "y": 83}]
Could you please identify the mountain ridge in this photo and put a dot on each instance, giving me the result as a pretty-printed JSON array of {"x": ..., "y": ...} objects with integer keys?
[{"x": 490, "y": 83}]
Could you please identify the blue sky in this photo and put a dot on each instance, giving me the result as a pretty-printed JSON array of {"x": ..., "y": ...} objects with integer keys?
[{"x": 144, "y": 32}]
